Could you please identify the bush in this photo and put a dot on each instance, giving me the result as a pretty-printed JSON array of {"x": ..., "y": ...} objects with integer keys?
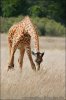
[
  {"x": 44, "y": 26},
  {"x": 54, "y": 29},
  {"x": 34, "y": 10},
  {"x": 49, "y": 27},
  {"x": 6, "y": 23}
]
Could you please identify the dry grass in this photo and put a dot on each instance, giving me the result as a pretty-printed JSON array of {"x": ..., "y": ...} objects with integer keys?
[{"x": 49, "y": 81}]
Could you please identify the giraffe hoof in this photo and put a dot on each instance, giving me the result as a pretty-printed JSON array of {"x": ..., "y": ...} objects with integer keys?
[
  {"x": 10, "y": 66},
  {"x": 38, "y": 69},
  {"x": 34, "y": 68}
]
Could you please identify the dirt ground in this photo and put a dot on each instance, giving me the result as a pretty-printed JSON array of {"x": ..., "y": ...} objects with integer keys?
[{"x": 48, "y": 82}]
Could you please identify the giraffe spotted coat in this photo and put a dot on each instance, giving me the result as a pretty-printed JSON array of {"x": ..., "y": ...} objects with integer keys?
[{"x": 19, "y": 37}]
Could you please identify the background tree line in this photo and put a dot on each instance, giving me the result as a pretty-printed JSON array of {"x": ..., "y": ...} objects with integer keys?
[
  {"x": 43, "y": 8},
  {"x": 51, "y": 9}
]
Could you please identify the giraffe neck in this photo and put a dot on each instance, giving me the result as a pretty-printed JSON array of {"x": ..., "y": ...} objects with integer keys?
[{"x": 32, "y": 32}]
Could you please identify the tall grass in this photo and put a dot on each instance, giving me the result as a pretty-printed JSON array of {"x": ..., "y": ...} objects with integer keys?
[{"x": 45, "y": 26}]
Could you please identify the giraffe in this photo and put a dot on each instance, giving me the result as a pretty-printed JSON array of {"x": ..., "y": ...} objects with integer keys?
[{"x": 19, "y": 37}]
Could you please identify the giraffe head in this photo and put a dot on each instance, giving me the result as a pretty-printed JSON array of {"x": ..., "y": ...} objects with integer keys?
[{"x": 38, "y": 59}]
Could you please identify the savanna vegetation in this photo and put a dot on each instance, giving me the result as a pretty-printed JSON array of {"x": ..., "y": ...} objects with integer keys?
[{"x": 48, "y": 15}]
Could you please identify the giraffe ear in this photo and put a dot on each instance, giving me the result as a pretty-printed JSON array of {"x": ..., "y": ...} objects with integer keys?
[
  {"x": 42, "y": 54},
  {"x": 33, "y": 53}
]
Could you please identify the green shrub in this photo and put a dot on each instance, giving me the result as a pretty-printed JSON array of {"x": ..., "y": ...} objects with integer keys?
[
  {"x": 54, "y": 29},
  {"x": 34, "y": 10},
  {"x": 6, "y": 23},
  {"x": 49, "y": 27}
]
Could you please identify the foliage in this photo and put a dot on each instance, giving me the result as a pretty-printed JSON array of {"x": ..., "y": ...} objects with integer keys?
[
  {"x": 45, "y": 26},
  {"x": 34, "y": 11},
  {"x": 54, "y": 9},
  {"x": 13, "y": 7}
]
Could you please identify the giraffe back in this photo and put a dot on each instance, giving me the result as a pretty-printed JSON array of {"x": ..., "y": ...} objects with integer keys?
[{"x": 17, "y": 31}]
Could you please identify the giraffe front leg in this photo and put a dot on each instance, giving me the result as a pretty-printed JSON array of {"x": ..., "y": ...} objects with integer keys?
[
  {"x": 10, "y": 46},
  {"x": 20, "y": 60},
  {"x": 30, "y": 57},
  {"x": 11, "y": 62}
]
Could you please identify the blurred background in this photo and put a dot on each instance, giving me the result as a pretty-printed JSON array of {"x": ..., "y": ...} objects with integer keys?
[{"x": 48, "y": 15}]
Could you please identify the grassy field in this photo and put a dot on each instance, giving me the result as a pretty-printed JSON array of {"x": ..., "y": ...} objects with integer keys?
[{"x": 48, "y": 82}]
